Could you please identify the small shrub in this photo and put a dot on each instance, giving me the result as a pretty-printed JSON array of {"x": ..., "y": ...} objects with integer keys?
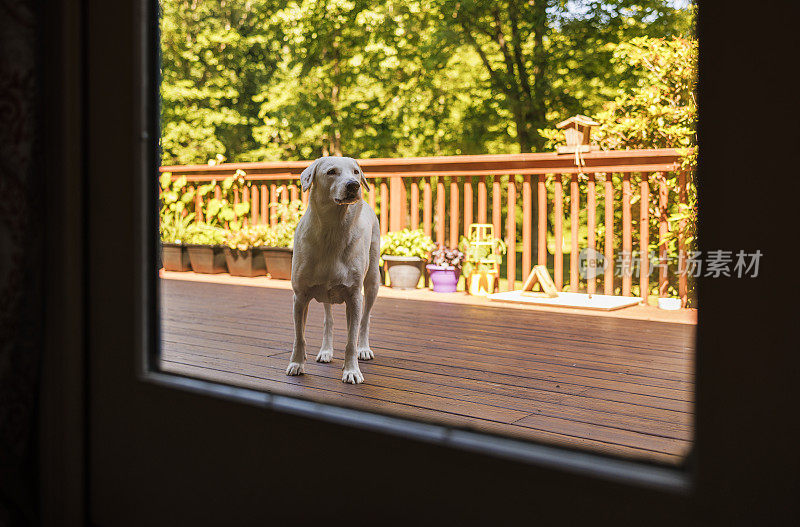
[
  {"x": 406, "y": 243},
  {"x": 205, "y": 234},
  {"x": 248, "y": 237}
]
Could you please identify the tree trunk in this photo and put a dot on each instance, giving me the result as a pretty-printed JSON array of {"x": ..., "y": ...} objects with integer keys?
[
  {"x": 336, "y": 133},
  {"x": 538, "y": 109}
]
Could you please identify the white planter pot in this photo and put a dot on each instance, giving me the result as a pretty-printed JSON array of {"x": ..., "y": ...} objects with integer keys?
[{"x": 670, "y": 304}]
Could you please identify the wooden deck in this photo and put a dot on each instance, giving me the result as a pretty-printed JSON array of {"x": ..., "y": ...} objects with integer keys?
[{"x": 615, "y": 385}]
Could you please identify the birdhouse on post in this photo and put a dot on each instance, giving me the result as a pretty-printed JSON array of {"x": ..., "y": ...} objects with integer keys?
[{"x": 577, "y": 130}]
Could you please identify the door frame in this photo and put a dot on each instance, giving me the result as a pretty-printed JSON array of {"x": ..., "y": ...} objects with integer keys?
[{"x": 152, "y": 448}]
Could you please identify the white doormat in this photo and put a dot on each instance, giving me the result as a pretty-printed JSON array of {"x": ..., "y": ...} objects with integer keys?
[{"x": 575, "y": 300}]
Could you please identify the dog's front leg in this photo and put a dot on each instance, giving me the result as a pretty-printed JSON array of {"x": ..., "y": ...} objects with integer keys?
[
  {"x": 351, "y": 372},
  {"x": 296, "y": 363},
  {"x": 326, "y": 351}
]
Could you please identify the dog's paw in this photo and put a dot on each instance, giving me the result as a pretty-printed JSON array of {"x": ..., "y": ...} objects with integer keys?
[
  {"x": 325, "y": 356},
  {"x": 295, "y": 368},
  {"x": 352, "y": 376},
  {"x": 365, "y": 354}
]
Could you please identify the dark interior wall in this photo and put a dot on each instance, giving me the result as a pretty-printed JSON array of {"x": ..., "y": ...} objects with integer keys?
[{"x": 21, "y": 250}]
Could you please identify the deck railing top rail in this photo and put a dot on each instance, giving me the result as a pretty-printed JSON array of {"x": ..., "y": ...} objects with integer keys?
[{"x": 642, "y": 160}]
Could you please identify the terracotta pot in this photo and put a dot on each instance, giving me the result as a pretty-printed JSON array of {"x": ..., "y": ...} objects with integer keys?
[
  {"x": 278, "y": 261},
  {"x": 209, "y": 259},
  {"x": 175, "y": 257},
  {"x": 248, "y": 262}
]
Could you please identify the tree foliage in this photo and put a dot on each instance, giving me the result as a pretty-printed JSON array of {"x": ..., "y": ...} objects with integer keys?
[{"x": 267, "y": 80}]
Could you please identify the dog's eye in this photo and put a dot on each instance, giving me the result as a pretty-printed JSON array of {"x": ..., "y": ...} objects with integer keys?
[
  {"x": 331, "y": 172},
  {"x": 355, "y": 172}
]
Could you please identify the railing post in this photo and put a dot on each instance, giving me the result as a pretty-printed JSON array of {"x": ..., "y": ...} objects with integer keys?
[
  {"x": 541, "y": 253},
  {"x": 558, "y": 212},
  {"x": 644, "y": 237},
  {"x": 414, "y": 204},
  {"x": 627, "y": 244},
  {"x": 293, "y": 190},
  {"x": 527, "y": 242},
  {"x": 371, "y": 196},
  {"x": 663, "y": 231},
  {"x": 384, "y": 207},
  {"x": 496, "y": 207},
  {"x": 683, "y": 285},
  {"x": 394, "y": 203},
  {"x": 608, "y": 226},
  {"x": 574, "y": 211},
  {"x": 467, "y": 204},
  {"x": 591, "y": 242},
  {"x": 402, "y": 213},
  {"x": 254, "y": 205},
  {"x": 440, "y": 212},
  {"x": 482, "y": 199},
  {"x": 273, "y": 209},
  {"x": 264, "y": 204},
  {"x": 427, "y": 206},
  {"x": 511, "y": 233},
  {"x": 198, "y": 207},
  {"x": 454, "y": 216}
]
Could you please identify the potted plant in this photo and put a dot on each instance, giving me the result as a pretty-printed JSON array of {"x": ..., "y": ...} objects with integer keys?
[
  {"x": 174, "y": 222},
  {"x": 405, "y": 252},
  {"x": 445, "y": 269},
  {"x": 206, "y": 249},
  {"x": 243, "y": 251},
  {"x": 483, "y": 254},
  {"x": 279, "y": 239}
]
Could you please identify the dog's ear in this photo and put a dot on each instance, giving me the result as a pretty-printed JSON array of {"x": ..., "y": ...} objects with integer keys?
[
  {"x": 364, "y": 178},
  {"x": 307, "y": 176}
]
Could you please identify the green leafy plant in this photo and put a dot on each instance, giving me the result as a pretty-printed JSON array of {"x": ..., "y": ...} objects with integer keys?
[
  {"x": 289, "y": 214},
  {"x": 205, "y": 234},
  {"x": 174, "y": 228},
  {"x": 248, "y": 237},
  {"x": 407, "y": 243},
  {"x": 222, "y": 211},
  {"x": 481, "y": 257}
]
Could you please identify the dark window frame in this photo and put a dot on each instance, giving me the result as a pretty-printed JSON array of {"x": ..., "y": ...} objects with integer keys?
[{"x": 161, "y": 449}]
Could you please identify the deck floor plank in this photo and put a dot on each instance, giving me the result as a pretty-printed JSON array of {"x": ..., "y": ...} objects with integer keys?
[{"x": 618, "y": 386}]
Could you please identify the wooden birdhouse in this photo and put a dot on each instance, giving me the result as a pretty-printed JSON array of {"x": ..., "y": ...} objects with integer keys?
[{"x": 577, "y": 130}]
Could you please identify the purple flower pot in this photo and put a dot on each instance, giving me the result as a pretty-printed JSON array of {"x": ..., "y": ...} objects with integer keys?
[{"x": 443, "y": 278}]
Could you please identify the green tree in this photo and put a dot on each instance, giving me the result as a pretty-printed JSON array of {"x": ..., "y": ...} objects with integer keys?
[
  {"x": 657, "y": 109},
  {"x": 216, "y": 55},
  {"x": 547, "y": 60},
  {"x": 263, "y": 80}
]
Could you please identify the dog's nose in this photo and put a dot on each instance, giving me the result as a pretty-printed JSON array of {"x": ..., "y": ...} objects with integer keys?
[{"x": 353, "y": 186}]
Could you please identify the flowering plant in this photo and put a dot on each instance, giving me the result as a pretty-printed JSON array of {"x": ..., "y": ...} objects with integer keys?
[
  {"x": 445, "y": 257},
  {"x": 248, "y": 237}
]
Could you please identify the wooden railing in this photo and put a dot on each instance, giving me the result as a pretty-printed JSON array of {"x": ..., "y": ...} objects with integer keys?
[{"x": 444, "y": 195}]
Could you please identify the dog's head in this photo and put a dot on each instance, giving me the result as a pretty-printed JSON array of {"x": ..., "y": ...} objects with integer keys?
[{"x": 337, "y": 178}]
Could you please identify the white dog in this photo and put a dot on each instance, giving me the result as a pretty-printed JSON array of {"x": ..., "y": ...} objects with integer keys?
[{"x": 336, "y": 251}]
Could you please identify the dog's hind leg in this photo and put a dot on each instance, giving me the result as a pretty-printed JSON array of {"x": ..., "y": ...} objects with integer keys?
[
  {"x": 371, "y": 287},
  {"x": 326, "y": 351},
  {"x": 298, "y": 360}
]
